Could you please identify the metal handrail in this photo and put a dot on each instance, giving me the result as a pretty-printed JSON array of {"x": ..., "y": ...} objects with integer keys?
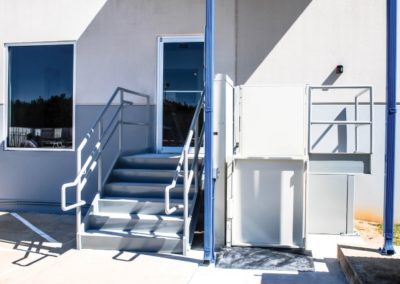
[
  {"x": 188, "y": 173},
  {"x": 356, "y": 122},
  {"x": 95, "y": 158}
]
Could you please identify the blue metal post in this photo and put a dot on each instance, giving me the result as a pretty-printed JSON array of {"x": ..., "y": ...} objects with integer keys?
[
  {"x": 209, "y": 255},
  {"x": 388, "y": 248}
]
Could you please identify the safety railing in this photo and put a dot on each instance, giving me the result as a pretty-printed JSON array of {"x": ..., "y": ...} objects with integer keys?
[
  {"x": 356, "y": 122},
  {"x": 188, "y": 173},
  {"x": 115, "y": 121}
]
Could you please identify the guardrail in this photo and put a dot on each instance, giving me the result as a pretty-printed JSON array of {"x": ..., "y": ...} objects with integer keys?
[
  {"x": 356, "y": 122},
  {"x": 95, "y": 158},
  {"x": 188, "y": 173}
]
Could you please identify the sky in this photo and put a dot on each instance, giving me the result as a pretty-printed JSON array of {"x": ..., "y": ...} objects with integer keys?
[{"x": 44, "y": 71}]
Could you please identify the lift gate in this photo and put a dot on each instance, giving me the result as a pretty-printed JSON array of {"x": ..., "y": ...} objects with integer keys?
[{"x": 286, "y": 158}]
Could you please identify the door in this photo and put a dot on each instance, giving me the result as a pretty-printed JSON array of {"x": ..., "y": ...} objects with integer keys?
[{"x": 180, "y": 84}]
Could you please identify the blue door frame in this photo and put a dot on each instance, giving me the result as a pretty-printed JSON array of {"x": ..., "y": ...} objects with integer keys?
[{"x": 388, "y": 248}]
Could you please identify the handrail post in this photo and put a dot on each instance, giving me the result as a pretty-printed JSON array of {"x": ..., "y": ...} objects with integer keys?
[
  {"x": 100, "y": 162},
  {"x": 121, "y": 117},
  {"x": 356, "y": 126},
  {"x": 310, "y": 105},
  {"x": 371, "y": 117},
  {"x": 148, "y": 120},
  {"x": 196, "y": 146},
  {"x": 78, "y": 216},
  {"x": 186, "y": 203}
]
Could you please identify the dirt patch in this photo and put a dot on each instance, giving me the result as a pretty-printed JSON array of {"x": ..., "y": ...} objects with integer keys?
[{"x": 369, "y": 231}]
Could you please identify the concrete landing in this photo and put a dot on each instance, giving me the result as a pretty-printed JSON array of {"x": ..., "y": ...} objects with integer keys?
[
  {"x": 364, "y": 265},
  {"x": 27, "y": 257}
]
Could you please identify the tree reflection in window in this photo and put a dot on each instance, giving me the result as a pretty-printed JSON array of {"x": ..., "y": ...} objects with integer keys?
[{"x": 40, "y": 96}]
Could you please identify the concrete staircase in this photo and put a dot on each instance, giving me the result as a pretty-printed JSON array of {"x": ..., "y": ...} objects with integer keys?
[{"x": 129, "y": 212}]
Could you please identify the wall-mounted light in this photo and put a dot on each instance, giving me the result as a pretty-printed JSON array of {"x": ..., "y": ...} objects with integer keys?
[{"x": 339, "y": 69}]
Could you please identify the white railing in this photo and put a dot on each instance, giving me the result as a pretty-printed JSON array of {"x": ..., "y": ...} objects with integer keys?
[
  {"x": 105, "y": 134},
  {"x": 356, "y": 122},
  {"x": 188, "y": 173}
]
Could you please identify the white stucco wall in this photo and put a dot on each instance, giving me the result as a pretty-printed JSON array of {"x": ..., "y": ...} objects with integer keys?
[
  {"x": 120, "y": 46},
  {"x": 302, "y": 41},
  {"x": 43, "y": 20}
]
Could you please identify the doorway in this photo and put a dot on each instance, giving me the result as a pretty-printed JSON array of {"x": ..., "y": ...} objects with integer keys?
[{"x": 180, "y": 84}]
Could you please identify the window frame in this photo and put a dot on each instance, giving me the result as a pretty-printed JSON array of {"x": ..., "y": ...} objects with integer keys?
[{"x": 7, "y": 96}]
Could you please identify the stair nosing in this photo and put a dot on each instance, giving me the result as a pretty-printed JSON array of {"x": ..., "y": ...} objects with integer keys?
[
  {"x": 107, "y": 198},
  {"x": 143, "y": 184},
  {"x": 124, "y": 234},
  {"x": 143, "y": 217},
  {"x": 144, "y": 170}
]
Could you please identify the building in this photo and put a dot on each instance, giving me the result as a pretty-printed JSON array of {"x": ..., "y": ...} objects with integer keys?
[{"x": 63, "y": 60}]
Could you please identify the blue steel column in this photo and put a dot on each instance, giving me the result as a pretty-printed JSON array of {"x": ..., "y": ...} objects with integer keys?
[
  {"x": 209, "y": 91},
  {"x": 388, "y": 248}
]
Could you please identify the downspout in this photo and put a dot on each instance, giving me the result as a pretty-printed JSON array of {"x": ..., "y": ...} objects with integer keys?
[
  {"x": 209, "y": 256},
  {"x": 388, "y": 248}
]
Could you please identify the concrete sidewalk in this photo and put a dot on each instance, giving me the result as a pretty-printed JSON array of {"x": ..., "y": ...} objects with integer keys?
[{"x": 25, "y": 257}]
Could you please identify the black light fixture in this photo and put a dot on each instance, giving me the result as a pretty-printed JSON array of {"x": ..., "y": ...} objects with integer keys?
[{"x": 339, "y": 69}]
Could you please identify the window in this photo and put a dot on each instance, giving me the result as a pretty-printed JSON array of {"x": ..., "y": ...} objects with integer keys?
[{"x": 40, "y": 90}]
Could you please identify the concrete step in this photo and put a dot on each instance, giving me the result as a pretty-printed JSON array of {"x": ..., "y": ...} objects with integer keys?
[
  {"x": 147, "y": 206},
  {"x": 363, "y": 264},
  {"x": 143, "y": 176},
  {"x": 150, "y": 161},
  {"x": 143, "y": 190},
  {"x": 130, "y": 215},
  {"x": 136, "y": 224},
  {"x": 128, "y": 241}
]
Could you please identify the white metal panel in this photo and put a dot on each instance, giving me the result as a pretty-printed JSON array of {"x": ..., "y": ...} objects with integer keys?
[
  {"x": 272, "y": 121},
  {"x": 268, "y": 203},
  {"x": 330, "y": 204}
]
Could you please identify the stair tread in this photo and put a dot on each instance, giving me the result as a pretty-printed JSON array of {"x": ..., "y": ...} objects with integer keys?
[
  {"x": 156, "y": 156},
  {"x": 143, "y": 217},
  {"x": 145, "y": 170},
  {"x": 127, "y": 234},
  {"x": 138, "y": 199},
  {"x": 153, "y": 155},
  {"x": 125, "y": 200},
  {"x": 143, "y": 184}
]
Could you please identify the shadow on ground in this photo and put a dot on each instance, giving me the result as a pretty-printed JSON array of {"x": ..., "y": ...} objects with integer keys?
[
  {"x": 127, "y": 256},
  {"x": 31, "y": 248}
]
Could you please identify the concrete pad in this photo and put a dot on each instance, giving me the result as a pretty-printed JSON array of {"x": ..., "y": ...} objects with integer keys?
[
  {"x": 23, "y": 252},
  {"x": 60, "y": 227},
  {"x": 325, "y": 246},
  {"x": 26, "y": 257},
  {"x": 13, "y": 232},
  {"x": 217, "y": 275},
  {"x": 95, "y": 266},
  {"x": 363, "y": 264},
  {"x": 325, "y": 272}
]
